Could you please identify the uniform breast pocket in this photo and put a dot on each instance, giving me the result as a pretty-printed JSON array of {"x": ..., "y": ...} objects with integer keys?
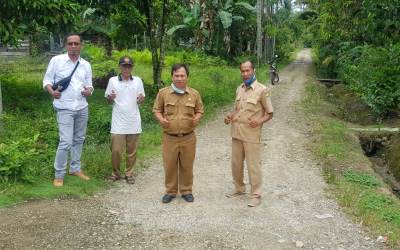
[
  {"x": 189, "y": 109},
  {"x": 251, "y": 105},
  {"x": 170, "y": 108}
]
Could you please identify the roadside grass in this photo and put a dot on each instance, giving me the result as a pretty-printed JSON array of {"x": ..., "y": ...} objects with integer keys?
[
  {"x": 43, "y": 188},
  {"x": 28, "y": 115},
  {"x": 361, "y": 193}
]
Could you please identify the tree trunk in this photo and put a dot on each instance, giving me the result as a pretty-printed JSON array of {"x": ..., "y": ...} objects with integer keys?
[
  {"x": 259, "y": 31},
  {"x": 156, "y": 32}
]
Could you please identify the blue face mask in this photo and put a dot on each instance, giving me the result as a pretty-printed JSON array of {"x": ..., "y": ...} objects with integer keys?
[
  {"x": 177, "y": 90},
  {"x": 249, "y": 81}
]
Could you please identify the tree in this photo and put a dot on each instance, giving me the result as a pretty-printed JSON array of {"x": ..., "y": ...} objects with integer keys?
[
  {"x": 156, "y": 13},
  {"x": 21, "y": 18},
  {"x": 260, "y": 7},
  {"x": 192, "y": 21}
]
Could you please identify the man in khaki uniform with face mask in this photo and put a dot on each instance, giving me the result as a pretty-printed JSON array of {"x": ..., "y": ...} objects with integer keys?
[
  {"x": 252, "y": 109},
  {"x": 178, "y": 108}
]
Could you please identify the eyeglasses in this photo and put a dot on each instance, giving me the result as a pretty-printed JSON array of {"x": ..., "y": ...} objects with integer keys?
[
  {"x": 126, "y": 65},
  {"x": 73, "y": 43}
]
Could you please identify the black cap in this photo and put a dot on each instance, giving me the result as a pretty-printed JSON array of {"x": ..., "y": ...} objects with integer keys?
[{"x": 125, "y": 60}]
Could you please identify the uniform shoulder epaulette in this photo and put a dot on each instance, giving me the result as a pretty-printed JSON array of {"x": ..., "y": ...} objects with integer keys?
[
  {"x": 268, "y": 91},
  {"x": 163, "y": 89},
  {"x": 193, "y": 90}
]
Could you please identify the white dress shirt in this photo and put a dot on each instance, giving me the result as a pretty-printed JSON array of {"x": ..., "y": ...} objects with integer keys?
[
  {"x": 60, "y": 67},
  {"x": 125, "y": 114}
]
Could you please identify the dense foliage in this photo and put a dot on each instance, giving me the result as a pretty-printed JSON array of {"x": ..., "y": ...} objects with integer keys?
[{"x": 358, "y": 41}]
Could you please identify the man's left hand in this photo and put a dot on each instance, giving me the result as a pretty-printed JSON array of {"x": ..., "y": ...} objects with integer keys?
[
  {"x": 140, "y": 98},
  {"x": 254, "y": 123},
  {"x": 195, "y": 120},
  {"x": 87, "y": 91}
]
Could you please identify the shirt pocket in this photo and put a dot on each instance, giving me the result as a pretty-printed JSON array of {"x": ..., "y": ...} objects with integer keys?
[
  {"x": 188, "y": 109},
  {"x": 170, "y": 109},
  {"x": 251, "y": 105}
]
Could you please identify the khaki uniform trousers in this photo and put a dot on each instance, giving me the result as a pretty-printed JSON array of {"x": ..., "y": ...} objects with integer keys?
[
  {"x": 178, "y": 158},
  {"x": 118, "y": 143},
  {"x": 251, "y": 152}
]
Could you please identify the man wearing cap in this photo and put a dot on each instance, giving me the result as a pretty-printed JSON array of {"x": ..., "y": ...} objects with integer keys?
[
  {"x": 71, "y": 106},
  {"x": 178, "y": 108},
  {"x": 251, "y": 110},
  {"x": 124, "y": 92}
]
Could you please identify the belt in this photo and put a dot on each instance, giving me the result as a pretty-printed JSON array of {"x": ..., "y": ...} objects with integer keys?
[{"x": 179, "y": 135}]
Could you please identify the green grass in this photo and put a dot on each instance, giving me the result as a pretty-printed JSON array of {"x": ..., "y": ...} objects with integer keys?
[
  {"x": 359, "y": 192},
  {"x": 43, "y": 189}
]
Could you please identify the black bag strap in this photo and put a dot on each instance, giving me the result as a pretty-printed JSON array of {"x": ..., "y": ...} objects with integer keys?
[{"x": 73, "y": 71}]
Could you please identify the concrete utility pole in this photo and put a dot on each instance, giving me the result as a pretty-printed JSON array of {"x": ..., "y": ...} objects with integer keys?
[{"x": 259, "y": 31}]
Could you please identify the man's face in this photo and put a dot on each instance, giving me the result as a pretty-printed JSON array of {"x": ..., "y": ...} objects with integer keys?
[
  {"x": 246, "y": 71},
  {"x": 74, "y": 45},
  {"x": 179, "y": 77},
  {"x": 126, "y": 69}
]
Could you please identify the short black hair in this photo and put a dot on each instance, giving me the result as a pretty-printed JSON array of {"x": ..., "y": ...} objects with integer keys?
[
  {"x": 251, "y": 63},
  {"x": 126, "y": 60},
  {"x": 177, "y": 66},
  {"x": 72, "y": 34}
]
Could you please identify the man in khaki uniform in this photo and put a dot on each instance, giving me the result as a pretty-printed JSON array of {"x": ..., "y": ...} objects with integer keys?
[
  {"x": 178, "y": 108},
  {"x": 252, "y": 109}
]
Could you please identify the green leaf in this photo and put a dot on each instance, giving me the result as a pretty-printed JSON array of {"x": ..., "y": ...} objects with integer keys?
[
  {"x": 228, "y": 4},
  {"x": 246, "y": 6},
  {"x": 196, "y": 11},
  {"x": 175, "y": 28},
  {"x": 226, "y": 18},
  {"x": 238, "y": 18}
]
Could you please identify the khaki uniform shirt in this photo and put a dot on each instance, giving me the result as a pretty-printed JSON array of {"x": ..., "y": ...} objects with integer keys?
[
  {"x": 251, "y": 102},
  {"x": 178, "y": 109}
]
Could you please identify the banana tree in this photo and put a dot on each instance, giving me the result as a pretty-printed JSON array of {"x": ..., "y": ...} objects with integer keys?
[
  {"x": 226, "y": 17},
  {"x": 192, "y": 21}
]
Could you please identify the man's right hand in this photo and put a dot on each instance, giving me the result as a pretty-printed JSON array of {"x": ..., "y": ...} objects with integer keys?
[
  {"x": 228, "y": 119},
  {"x": 164, "y": 123},
  {"x": 56, "y": 94},
  {"x": 112, "y": 96}
]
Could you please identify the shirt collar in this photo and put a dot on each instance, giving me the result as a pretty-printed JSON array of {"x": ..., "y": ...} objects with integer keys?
[
  {"x": 122, "y": 79},
  {"x": 253, "y": 85},
  {"x": 171, "y": 90},
  {"x": 69, "y": 59}
]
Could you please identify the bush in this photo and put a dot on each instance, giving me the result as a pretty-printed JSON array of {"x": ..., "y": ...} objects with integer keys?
[
  {"x": 16, "y": 159},
  {"x": 93, "y": 53},
  {"x": 374, "y": 74}
]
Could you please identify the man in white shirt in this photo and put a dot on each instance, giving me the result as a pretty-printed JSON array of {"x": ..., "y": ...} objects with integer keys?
[
  {"x": 124, "y": 92},
  {"x": 70, "y": 105}
]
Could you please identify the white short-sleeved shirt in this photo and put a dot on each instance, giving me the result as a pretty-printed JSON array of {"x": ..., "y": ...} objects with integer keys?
[
  {"x": 125, "y": 113},
  {"x": 60, "y": 67}
]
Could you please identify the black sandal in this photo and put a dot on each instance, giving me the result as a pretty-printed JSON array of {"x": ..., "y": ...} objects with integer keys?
[{"x": 130, "y": 179}]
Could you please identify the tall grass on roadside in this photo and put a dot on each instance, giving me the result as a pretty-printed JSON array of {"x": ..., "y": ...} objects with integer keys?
[{"x": 358, "y": 191}]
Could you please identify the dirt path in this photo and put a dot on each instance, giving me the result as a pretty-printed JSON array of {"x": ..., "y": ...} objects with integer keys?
[{"x": 294, "y": 208}]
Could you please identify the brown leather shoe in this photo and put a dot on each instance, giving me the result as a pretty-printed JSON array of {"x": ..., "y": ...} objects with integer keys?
[
  {"x": 254, "y": 202},
  {"x": 81, "y": 175},
  {"x": 58, "y": 182}
]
